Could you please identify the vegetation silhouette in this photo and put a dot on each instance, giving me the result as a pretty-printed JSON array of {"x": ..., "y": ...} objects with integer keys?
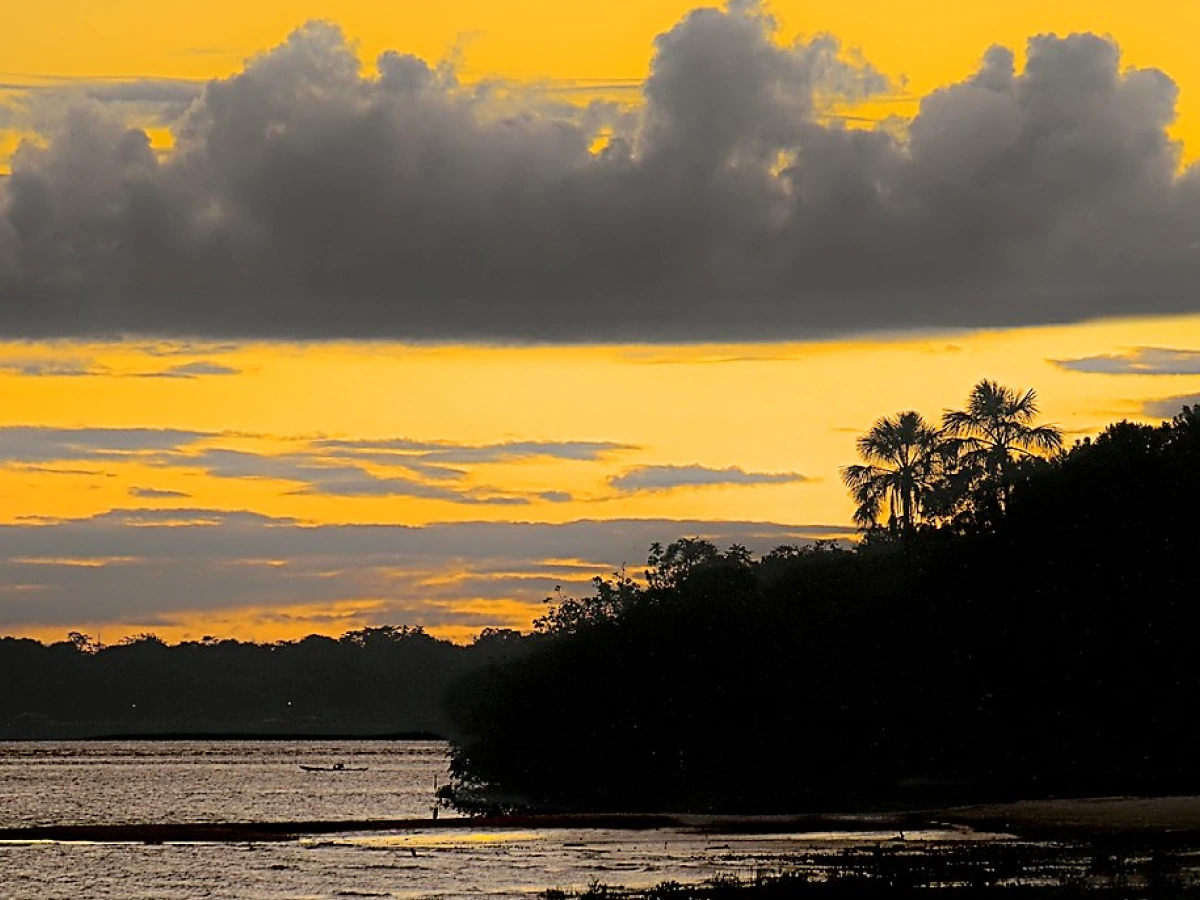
[
  {"x": 905, "y": 457},
  {"x": 381, "y": 680},
  {"x": 1021, "y": 626}
]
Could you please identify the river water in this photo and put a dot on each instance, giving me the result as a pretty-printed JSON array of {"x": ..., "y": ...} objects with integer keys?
[{"x": 45, "y": 783}]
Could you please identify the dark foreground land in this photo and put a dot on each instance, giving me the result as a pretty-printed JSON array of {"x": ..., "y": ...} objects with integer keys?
[
  {"x": 1101, "y": 848},
  {"x": 1105, "y": 848}
]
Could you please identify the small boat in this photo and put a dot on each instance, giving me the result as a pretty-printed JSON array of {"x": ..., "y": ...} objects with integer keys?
[{"x": 336, "y": 767}]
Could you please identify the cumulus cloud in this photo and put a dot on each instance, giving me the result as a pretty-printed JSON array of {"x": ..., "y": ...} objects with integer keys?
[
  {"x": 141, "y": 564},
  {"x": 304, "y": 199},
  {"x": 1139, "y": 361},
  {"x": 667, "y": 478}
]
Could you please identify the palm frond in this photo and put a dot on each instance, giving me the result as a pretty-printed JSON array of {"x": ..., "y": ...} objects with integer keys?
[{"x": 1046, "y": 438}]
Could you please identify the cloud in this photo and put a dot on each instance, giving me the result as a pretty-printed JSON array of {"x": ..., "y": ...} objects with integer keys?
[
  {"x": 305, "y": 199},
  {"x": 32, "y": 444},
  {"x": 156, "y": 494},
  {"x": 52, "y": 368},
  {"x": 196, "y": 369},
  {"x": 331, "y": 467},
  {"x": 32, "y": 99},
  {"x": 397, "y": 449},
  {"x": 185, "y": 348},
  {"x": 58, "y": 470},
  {"x": 336, "y": 474},
  {"x": 1168, "y": 407},
  {"x": 341, "y": 467},
  {"x": 76, "y": 368},
  {"x": 438, "y": 460},
  {"x": 351, "y": 481},
  {"x": 1139, "y": 361},
  {"x": 136, "y": 564},
  {"x": 667, "y": 478}
]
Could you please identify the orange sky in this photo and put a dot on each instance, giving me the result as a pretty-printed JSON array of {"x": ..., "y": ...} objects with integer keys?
[{"x": 769, "y": 410}]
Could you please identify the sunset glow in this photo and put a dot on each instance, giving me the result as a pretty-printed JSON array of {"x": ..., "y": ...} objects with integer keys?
[{"x": 450, "y": 465}]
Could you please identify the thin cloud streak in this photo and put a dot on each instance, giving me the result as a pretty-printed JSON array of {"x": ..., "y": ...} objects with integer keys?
[
  {"x": 669, "y": 478},
  {"x": 1139, "y": 361}
]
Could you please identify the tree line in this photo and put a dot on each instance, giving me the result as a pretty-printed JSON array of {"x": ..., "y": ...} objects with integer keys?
[
  {"x": 1020, "y": 619},
  {"x": 371, "y": 681}
]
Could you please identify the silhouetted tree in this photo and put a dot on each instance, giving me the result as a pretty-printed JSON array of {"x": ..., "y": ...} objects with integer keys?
[
  {"x": 992, "y": 437},
  {"x": 904, "y": 457}
]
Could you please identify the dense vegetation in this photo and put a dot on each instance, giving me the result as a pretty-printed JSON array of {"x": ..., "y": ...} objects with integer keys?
[
  {"x": 384, "y": 680},
  {"x": 1020, "y": 623}
]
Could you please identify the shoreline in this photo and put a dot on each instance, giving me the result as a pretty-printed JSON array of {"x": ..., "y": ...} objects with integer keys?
[
  {"x": 1138, "y": 819},
  {"x": 239, "y": 737},
  {"x": 233, "y": 832}
]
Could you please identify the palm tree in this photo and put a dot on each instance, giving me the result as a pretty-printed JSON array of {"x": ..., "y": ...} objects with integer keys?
[
  {"x": 995, "y": 433},
  {"x": 903, "y": 456}
]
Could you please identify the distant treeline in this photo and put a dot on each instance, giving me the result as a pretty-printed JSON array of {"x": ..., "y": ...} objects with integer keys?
[
  {"x": 1016, "y": 626},
  {"x": 386, "y": 680}
]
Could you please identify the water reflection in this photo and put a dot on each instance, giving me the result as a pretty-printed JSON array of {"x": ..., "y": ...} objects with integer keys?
[{"x": 154, "y": 782}]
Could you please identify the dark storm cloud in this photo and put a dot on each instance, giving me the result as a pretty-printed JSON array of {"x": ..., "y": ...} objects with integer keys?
[
  {"x": 667, "y": 478},
  {"x": 128, "y": 565},
  {"x": 305, "y": 200},
  {"x": 1140, "y": 361}
]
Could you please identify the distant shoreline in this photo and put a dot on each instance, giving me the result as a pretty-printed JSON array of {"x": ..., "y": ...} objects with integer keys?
[{"x": 231, "y": 736}]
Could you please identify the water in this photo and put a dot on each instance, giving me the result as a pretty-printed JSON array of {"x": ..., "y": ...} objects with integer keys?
[
  {"x": 214, "y": 781},
  {"x": 117, "y": 782}
]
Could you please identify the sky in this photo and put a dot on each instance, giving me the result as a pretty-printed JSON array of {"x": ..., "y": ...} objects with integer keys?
[{"x": 317, "y": 316}]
